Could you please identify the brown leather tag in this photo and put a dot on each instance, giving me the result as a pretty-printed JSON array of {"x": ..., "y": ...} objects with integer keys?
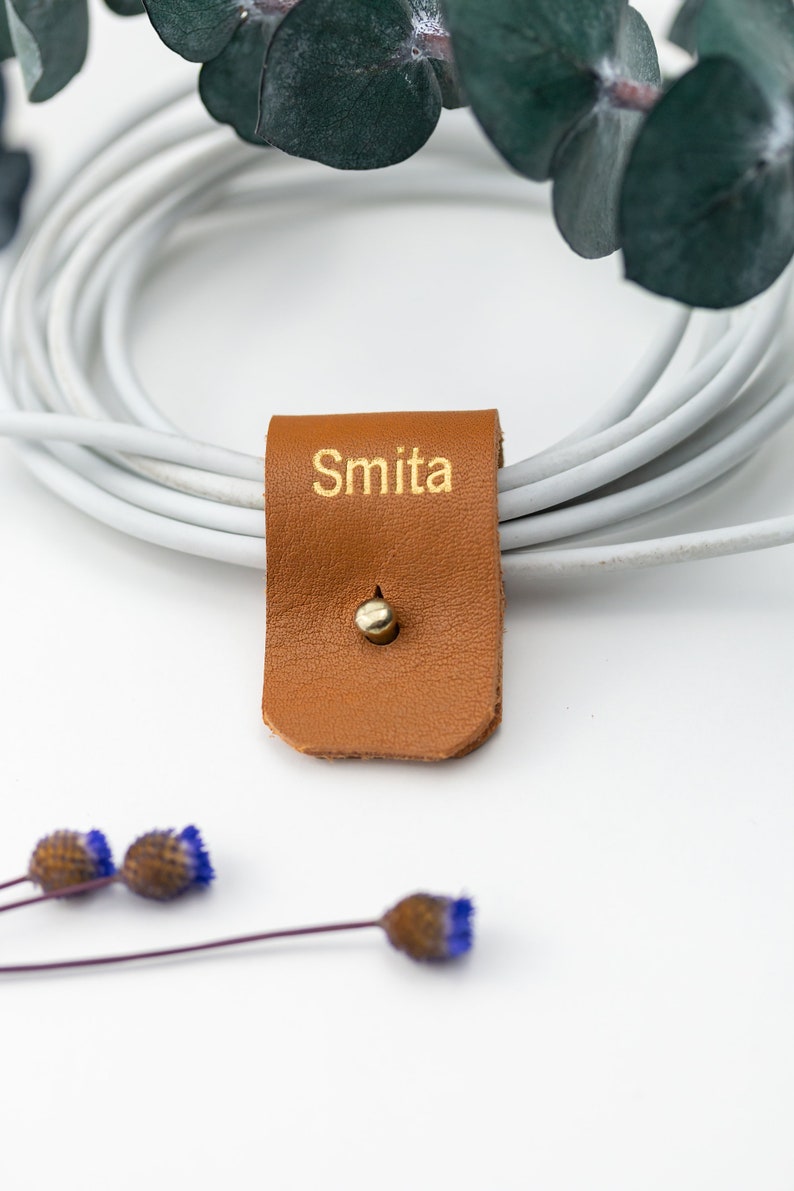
[{"x": 403, "y": 502}]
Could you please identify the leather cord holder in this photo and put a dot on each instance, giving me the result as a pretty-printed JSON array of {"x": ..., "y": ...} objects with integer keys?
[{"x": 402, "y": 505}]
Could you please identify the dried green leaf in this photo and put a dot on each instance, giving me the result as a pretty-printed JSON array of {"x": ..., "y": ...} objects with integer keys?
[
  {"x": 531, "y": 69},
  {"x": 707, "y": 210},
  {"x": 351, "y": 83},
  {"x": 126, "y": 8},
  {"x": 50, "y": 39},
  {"x": 6, "y": 44},
  {"x": 197, "y": 29},
  {"x": 229, "y": 84},
  {"x": 683, "y": 32},
  {"x": 758, "y": 34},
  {"x": 15, "y": 172},
  {"x": 452, "y": 94},
  {"x": 588, "y": 169}
]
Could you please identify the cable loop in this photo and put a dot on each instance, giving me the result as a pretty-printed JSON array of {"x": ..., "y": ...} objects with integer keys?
[{"x": 657, "y": 443}]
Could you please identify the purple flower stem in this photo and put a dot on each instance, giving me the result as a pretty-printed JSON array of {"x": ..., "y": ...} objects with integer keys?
[
  {"x": 167, "y": 952},
  {"x": 69, "y": 891},
  {"x": 16, "y": 881}
]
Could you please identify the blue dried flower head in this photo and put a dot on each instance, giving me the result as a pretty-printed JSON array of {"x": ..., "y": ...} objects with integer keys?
[
  {"x": 97, "y": 846},
  {"x": 191, "y": 840},
  {"x": 163, "y": 864},
  {"x": 67, "y": 858},
  {"x": 459, "y": 927},
  {"x": 425, "y": 926}
]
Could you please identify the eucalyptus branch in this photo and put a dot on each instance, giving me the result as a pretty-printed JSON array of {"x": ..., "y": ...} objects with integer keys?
[{"x": 568, "y": 91}]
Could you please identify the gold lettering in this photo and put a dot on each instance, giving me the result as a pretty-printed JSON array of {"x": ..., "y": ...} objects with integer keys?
[
  {"x": 366, "y": 466},
  {"x": 413, "y": 464},
  {"x": 317, "y": 460},
  {"x": 439, "y": 480},
  {"x": 344, "y": 475}
]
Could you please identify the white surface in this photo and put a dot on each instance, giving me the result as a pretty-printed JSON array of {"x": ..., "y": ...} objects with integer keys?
[{"x": 625, "y": 1019}]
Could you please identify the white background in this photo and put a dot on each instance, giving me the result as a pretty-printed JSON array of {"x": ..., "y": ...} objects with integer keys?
[{"x": 624, "y": 1022}]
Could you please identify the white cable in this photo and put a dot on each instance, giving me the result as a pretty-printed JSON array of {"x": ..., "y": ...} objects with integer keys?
[{"x": 106, "y": 449}]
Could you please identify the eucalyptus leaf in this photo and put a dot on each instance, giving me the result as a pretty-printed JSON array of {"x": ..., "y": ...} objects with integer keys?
[
  {"x": 683, "y": 32},
  {"x": 588, "y": 169},
  {"x": 50, "y": 39},
  {"x": 15, "y": 172},
  {"x": 199, "y": 30},
  {"x": 758, "y": 34},
  {"x": 707, "y": 210},
  {"x": 530, "y": 69},
  {"x": 229, "y": 84},
  {"x": 452, "y": 95},
  {"x": 126, "y": 8},
  {"x": 351, "y": 83},
  {"x": 6, "y": 44}
]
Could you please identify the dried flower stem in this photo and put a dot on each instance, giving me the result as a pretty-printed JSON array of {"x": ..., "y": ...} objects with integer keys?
[
  {"x": 68, "y": 891},
  {"x": 16, "y": 881},
  {"x": 167, "y": 952}
]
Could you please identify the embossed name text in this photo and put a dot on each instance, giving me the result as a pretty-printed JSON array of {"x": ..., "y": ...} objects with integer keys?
[{"x": 405, "y": 475}]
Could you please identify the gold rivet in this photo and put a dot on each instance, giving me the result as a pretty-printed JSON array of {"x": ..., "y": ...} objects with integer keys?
[{"x": 377, "y": 621}]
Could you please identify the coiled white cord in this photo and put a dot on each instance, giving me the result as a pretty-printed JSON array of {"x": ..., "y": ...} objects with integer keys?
[{"x": 116, "y": 457}]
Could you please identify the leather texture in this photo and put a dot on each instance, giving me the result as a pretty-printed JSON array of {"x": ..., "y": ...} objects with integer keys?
[{"x": 426, "y": 534}]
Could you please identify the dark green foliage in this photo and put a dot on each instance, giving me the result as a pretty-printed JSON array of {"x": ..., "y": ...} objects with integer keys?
[
  {"x": 589, "y": 166},
  {"x": 758, "y": 34},
  {"x": 452, "y": 93},
  {"x": 530, "y": 69},
  {"x": 543, "y": 79},
  {"x": 229, "y": 83},
  {"x": 683, "y": 31},
  {"x": 232, "y": 40},
  {"x": 50, "y": 40},
  {"x": 707, "y": 213},
  {"x": 353, "y": 83},
  {"x": 15, "y": 171},
  {"x": 126, "y": 8},
  {"x": 6, "y": 44},
  {"x": 197, "y": 29},
  {"x": 696, "y": 184}
]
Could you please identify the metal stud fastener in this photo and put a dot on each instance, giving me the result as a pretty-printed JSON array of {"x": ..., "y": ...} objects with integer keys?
[{"x": 377, "y": 621}]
